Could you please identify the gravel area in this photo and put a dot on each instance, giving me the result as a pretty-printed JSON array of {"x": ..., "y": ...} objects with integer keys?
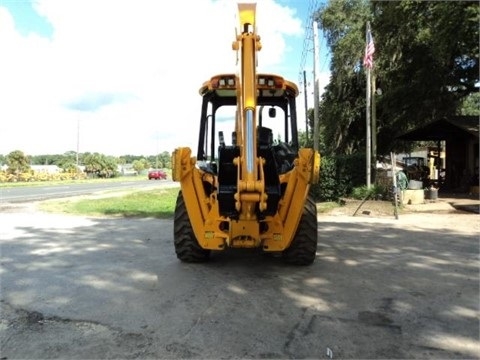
[{"x": 381, "y": 287}]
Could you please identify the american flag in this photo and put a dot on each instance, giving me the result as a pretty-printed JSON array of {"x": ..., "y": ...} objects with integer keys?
[{"x": 369, "y": 50}]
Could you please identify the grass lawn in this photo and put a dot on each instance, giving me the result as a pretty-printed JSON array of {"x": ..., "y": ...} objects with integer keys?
[{"x": 158, "y": 203}]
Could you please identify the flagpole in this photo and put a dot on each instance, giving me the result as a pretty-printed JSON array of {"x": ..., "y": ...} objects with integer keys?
[
  {"x": 368, "y": 101},
  {"x": 369, "y": 135},
  {"x": 374, "y": 126}
]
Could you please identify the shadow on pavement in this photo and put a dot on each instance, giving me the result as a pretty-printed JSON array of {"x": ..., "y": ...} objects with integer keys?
[{"x": 113, "y": 288}]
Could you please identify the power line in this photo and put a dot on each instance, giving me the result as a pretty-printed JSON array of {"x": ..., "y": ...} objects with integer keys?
[{"x": 308, "y": 41}]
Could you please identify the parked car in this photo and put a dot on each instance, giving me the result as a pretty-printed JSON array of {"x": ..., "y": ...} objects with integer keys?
[{"x": 157, "y": 174}]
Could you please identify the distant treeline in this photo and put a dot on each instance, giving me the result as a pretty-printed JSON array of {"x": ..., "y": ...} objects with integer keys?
[{"x": 161, "y": 160}]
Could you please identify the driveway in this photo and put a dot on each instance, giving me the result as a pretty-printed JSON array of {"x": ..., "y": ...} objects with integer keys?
[{"x": 103, "y": 288}]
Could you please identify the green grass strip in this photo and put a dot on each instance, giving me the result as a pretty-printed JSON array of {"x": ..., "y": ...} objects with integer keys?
[{"x": 158, "y": 203}]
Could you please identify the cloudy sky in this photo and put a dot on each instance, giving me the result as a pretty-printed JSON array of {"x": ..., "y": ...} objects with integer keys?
[{"x": 122, "y": 76}]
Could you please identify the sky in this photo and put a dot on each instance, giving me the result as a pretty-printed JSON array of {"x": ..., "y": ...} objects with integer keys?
[{"x": 121, "y": 77}]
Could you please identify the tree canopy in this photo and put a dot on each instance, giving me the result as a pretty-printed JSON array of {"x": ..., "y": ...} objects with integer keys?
[
  {"x": 17, "y": 162},
  {"x": 426, "y": 63}
]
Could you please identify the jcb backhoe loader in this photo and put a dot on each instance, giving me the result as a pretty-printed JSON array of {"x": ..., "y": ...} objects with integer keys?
[{"x": 254, "y": 191}]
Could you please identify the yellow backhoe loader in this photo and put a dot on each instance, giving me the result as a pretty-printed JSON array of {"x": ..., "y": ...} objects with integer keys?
[{"x": 252, "y": 192}]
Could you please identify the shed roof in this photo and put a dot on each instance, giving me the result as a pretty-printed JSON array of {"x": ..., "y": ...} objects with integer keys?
[{"x": 456, "y": 127}]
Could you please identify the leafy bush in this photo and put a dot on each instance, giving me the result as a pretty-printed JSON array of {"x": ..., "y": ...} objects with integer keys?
[
  {"x": 328, "y": 188},
  {"x": 32, "y": 176},
  {"x": 7, "y": 177},
  {"x": 376, "y": 192},
  {"x": 351, "y": 169},
  {"x": 345, "y": 176}
]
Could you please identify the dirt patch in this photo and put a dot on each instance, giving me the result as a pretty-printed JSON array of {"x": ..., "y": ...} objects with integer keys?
[{"x": 379, "y": 208}]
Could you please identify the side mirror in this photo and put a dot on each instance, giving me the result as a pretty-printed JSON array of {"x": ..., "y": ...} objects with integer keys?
[{"x": 272, "y": 112}]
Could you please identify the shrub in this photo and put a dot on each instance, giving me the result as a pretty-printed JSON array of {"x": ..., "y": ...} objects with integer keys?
[
  {"x": 338, "y": 176},
  {"x": 30, "y": 176},
  {"x": 327, "y": 188},
  {"x": 25, "y": 176},
  {"x": 376, "y": 192}
]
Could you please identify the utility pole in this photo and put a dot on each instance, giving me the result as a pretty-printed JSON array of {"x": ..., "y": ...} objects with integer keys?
[
  {"x": 306, "y": 103},
  {"x": 156, "y": 158},
  {"x": 78, "y": 140},
  {"x": 316, "y": 82},
  {"x": 311, "y": 33}
]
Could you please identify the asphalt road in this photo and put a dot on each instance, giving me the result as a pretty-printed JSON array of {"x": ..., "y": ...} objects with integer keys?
[
  {"x": 112, "y": 288},
  {"x": 36, "y": 193}
]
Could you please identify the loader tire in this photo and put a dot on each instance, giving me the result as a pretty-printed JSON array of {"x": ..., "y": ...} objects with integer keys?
[
  {"x": 186, "y": 244},
  {"x": 303, "y": 249}
]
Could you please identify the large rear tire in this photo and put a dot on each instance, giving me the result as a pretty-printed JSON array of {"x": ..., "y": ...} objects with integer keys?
[
  {"x": 303, "y": 249},
  {"x": 186, "y": 244}
]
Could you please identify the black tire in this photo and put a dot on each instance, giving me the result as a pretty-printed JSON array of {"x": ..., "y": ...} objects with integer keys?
[
  {"x": 303, "y": 249},
  {"x": 186, "y": 244}
]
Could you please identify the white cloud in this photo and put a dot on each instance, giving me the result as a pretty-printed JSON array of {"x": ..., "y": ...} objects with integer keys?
[{"x": 127, "y": 71}]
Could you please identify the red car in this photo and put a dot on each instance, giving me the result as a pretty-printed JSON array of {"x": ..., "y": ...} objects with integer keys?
[{"x": 157, "y": 175}]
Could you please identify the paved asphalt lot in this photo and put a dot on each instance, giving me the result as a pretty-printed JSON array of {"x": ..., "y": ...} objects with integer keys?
[{"x": 112, "y": 288}]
